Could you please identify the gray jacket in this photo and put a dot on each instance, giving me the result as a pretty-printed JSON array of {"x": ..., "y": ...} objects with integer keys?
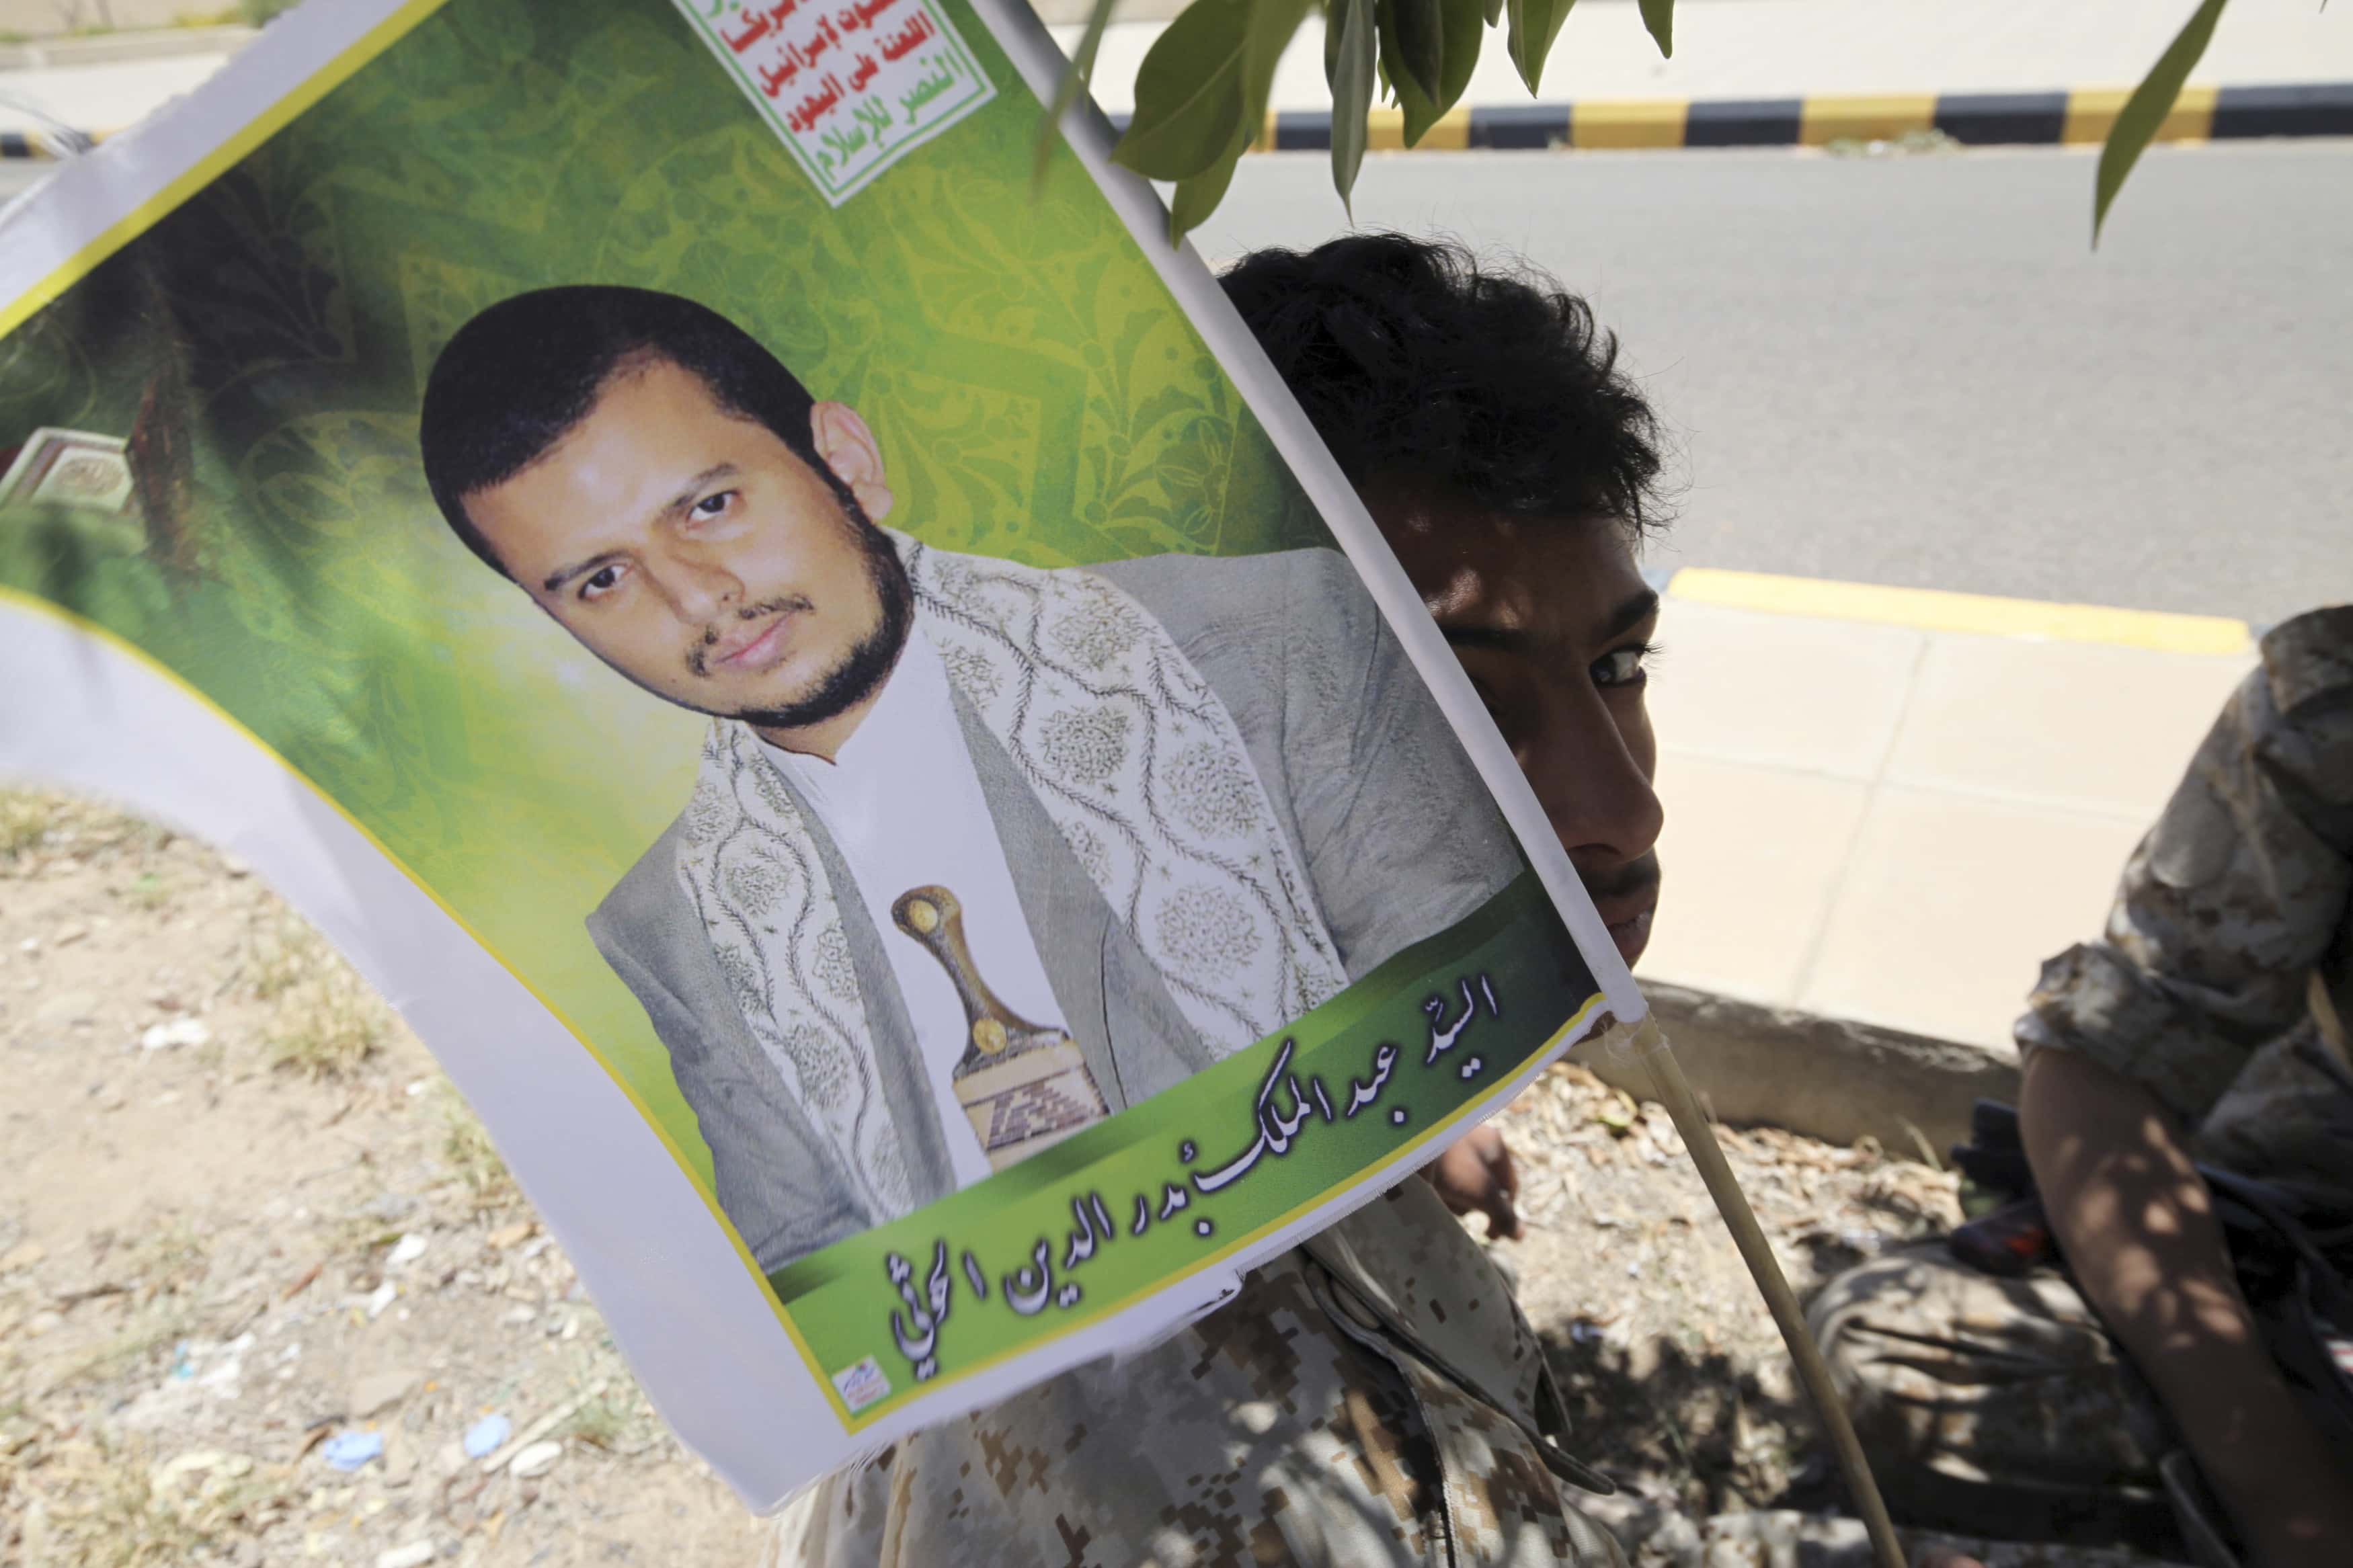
[{"x": 1396, "y": 834}]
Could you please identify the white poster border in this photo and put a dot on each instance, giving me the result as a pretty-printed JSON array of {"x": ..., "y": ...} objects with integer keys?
[{"x": 684, "y": 1303}]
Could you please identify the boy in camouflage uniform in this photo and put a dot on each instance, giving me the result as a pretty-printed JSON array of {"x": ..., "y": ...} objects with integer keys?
[{"x": 2208, "y": 1024}]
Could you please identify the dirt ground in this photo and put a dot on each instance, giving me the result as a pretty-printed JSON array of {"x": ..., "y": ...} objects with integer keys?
[{"x": 245, "y": 1219}]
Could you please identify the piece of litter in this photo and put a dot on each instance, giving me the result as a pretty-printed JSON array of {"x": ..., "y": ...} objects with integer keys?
[
  {"x": 536, "y": 1460},
  {"x": 418, "y": 1086},
  {"x": 416, "y": 1554},
  {"x": 351, "y": 1448},
  {"x": 484, "y": 1436},
  {"x": 381, "y": 1298},
  {"x": 178, "y": 1032},
  {"x": 378, "y": 1392},
  {"x": 194, "y": 1462},
  {"x": 406, "y": 1251},
  {"x": 528, "y": 1438}
]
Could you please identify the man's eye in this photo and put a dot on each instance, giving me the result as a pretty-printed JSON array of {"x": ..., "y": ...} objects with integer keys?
[
  {"x": 602, "y": 580},
  {"x": 1624, "y": 666},
  {"x": 711, "y": 506}
]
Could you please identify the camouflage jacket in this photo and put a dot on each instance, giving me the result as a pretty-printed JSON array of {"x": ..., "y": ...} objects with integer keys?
[
  {"x": 2225, "y": 978},
  {"x": 1372, "y": 1397}
]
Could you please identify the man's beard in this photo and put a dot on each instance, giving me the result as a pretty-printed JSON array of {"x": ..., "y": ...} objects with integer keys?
[{"x": 866, "y": 666}]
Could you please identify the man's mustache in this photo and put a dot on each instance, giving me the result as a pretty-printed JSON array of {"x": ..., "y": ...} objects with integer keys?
[
  {"x": 698, "y": 657},
  {"x": 1634, "y": 876}
]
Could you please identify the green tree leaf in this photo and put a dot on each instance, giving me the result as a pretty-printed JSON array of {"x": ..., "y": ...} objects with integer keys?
[
  {"x": 1466, "y": 21},
  {"x": 1413, "y": 36},
  {"x": 1074, "y": 82},
  {"x": 1350, "y": 51},
  {"x": 1190, "y": 92},
  {"x": 1659, "y": 17},
  {"x": 1270, "y": 26},
  {"x": 1494, "y": 12},
  {"x": 1195, "y": 198},
  {"x": 2146, "y": 109},
  {"x": 1460, "y": 23},
  {"x": 1534, "y": 24}
]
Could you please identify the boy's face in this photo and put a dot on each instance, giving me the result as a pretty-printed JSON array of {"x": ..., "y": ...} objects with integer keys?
[
  {"x": 1551, "y": 621},
  {"x": 691, "y": 549}
]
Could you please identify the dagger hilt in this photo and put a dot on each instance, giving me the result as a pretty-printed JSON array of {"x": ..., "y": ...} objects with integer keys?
[
  {"x": 933, "y": 917},
  {"x": 1023, "y": 1086}
]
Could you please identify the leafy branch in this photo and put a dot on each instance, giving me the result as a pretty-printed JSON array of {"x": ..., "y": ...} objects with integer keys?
[
  {"x": 2137, "y": 123},
  {"x": 1201, "y": 91}
]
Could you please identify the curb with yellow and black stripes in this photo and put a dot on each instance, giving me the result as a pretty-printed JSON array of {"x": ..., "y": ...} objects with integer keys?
[{"x": 1981, "y": 119}]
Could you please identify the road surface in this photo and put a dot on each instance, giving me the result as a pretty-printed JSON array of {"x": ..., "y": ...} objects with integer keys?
[{"x": 1915, "y": 371}]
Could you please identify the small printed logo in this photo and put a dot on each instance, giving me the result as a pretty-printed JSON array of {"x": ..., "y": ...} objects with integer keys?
[
  {"x": 860, "y": 1386},
  {"x": 849, "y": 90}
]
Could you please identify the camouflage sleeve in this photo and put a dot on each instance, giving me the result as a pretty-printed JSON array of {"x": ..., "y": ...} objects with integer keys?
[{"x": 2234, "y": 895}]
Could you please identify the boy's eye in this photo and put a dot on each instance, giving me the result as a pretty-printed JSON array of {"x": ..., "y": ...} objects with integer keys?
[
  {"x": 1624, "y": 666},
  {"x": 602, "y": 580},
  {"x": 711, "y": 506}
]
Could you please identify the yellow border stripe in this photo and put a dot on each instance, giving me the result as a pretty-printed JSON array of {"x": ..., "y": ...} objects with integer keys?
[
  {"x": 2092, "y": 112},
  {"x": 232, "y": 148},
  {"x": 140, "y": 656},
  {"x": 1933, "y": 609}
]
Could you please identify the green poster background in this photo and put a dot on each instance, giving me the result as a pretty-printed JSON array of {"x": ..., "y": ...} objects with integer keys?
[{"x": 1037, "y": 393}]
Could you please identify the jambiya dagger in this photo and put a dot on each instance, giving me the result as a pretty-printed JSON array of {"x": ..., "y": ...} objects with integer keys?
[{"x": 1024, "y": 1086}]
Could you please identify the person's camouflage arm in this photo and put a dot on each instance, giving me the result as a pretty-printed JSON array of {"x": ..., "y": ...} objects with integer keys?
[{"x": 2234, "y": 899}]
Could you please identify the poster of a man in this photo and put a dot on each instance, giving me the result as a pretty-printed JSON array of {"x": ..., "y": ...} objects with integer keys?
[{"x": 979, "y": 852}]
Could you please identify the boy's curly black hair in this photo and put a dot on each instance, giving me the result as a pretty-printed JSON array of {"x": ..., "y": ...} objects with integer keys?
[{"x": 1413, "y": 360}]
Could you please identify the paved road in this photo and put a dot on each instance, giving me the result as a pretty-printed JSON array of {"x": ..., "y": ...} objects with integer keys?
[{"x": 1913, "y": 370}]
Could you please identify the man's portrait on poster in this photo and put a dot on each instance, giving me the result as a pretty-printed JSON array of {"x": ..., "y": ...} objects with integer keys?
[{"x": 978, "y": 853}]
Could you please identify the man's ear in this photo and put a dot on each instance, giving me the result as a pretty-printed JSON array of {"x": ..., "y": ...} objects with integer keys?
[{"x": 848, "y": 446}]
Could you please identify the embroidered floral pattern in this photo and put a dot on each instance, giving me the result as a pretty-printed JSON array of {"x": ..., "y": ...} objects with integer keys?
[
  {"x": 1085, "y": 745},
  {"x": 1213, "y": 791},
  {"x": 1206, "y": 930}
]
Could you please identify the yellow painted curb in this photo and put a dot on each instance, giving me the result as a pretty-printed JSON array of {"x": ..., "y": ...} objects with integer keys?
[
  {"x": 2091, "y": 113},
  {"x": 1864, "y": 119},
  {"x": 1385, "y": 132},
  {"x": 1933, "y": 609},
  {"x": 1637, "y": 122}
]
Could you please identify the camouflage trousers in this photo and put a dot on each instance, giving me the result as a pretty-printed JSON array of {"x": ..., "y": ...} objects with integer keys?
[
  {"x": 2001, "y": 1406},
  {"x": 1278, "y": 1431}
]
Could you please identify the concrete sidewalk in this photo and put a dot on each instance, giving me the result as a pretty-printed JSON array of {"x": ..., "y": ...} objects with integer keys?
[{"x": 1889, "y": 806}]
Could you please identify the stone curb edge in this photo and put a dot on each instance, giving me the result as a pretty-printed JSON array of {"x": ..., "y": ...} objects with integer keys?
[
  {"x": 1977, "y": 119},
  {"x": 1824, "y": 1078},
  {"x": 1942, "y": 610},
  {"x": 2083, "y": 115}
]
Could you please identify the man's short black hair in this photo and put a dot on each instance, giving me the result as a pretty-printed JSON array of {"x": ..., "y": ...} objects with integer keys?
[
  {"x": 519, "y": 376},
  {"x": 1412, "y": 359}
]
